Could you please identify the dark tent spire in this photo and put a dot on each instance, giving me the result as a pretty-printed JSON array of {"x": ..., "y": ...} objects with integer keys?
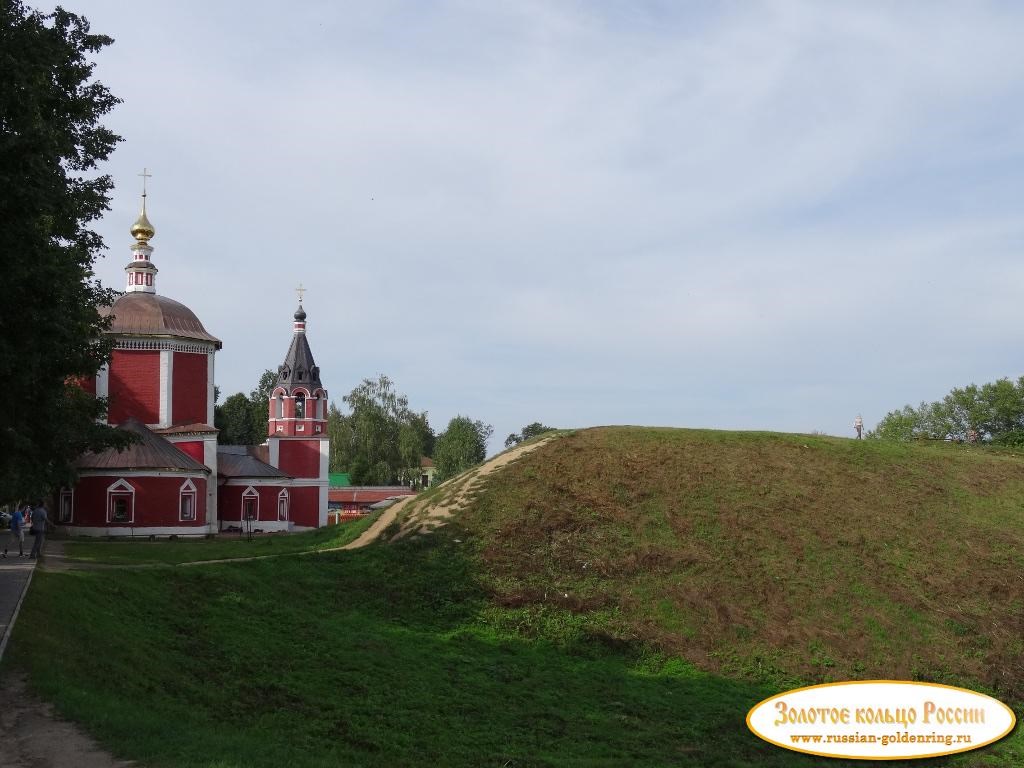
[{"x": 299, "y": 369}]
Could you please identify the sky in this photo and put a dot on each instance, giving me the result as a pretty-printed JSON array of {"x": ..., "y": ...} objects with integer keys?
[{"x": 736, "y": 215}]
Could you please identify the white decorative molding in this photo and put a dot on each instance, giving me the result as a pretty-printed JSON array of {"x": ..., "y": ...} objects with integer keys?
[
  {"x": 166, "y": 386},
  {"x": 164, "y": 345},
  {"x": 113, "y": 472},
  {"x": 103, "y": 381},
  {"x": 137, "y": 532},
  {"x": 209, "y": 387}
]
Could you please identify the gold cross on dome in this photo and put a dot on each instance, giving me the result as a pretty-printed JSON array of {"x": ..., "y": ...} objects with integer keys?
[
  {"x": 300, "y": 290},
  {"x": 145, "y": 175}
]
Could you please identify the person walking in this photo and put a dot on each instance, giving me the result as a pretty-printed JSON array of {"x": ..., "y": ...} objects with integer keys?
[
  {"x": 39, "y": 520},
  {"x": 17, "y": 531}
]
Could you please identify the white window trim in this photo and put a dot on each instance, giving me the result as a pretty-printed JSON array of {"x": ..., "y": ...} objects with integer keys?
[
  {"x": 283, "y": 497},
  {"x": 250, "y": 493},
  {"x": 121, "y": 488},
  {"x": 188, "y": 488},
  {"x": 71, "y": 517}
]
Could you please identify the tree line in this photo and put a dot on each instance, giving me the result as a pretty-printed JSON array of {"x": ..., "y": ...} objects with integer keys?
[
  {"x": 992, "y": 412},
  {"x": 378, "y": 439}
]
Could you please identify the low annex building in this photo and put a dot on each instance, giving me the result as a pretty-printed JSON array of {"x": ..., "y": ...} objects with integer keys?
[{"x": 175, "y": 479}]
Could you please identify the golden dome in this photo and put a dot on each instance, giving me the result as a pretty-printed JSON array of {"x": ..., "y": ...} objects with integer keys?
[{"x": 142, "y": 230}]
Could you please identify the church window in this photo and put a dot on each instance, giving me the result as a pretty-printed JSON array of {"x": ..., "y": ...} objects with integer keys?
[
  {"x": 121, "y": 502},
  {"x": 300, "y": 405},
  {"x": 279, "y": 406},
  {"x": 67, "y": 506},
  {"x": 187, "y": 501},
  {"x": 282, "y": 505},
  {"x": 250, "y": 504}
]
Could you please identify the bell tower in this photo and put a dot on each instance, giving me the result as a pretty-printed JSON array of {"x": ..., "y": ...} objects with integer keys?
[{"x": 297, "y": 427}]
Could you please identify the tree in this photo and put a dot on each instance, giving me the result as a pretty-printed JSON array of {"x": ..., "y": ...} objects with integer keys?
[
  {"x": 462, "y": 445},
  {"x": 242, "y": 420},
  {"x": 259, "y": 406},
  {"x": 381, "y": 440},
  {"x": 992, "y": 412},
  {"x": 234, "y": 420},
  {"x": 52, "y": 336},
  {"x": 530, "y": 430}
]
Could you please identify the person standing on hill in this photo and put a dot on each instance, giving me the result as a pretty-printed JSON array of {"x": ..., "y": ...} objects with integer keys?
[
  {"x": 39, "y": 520},
  {"x": 17, "y": 531},
  {"x": 858, "y": 424}
]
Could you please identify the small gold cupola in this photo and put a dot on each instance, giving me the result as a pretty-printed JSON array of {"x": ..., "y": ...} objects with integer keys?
[
  {"x": 142, "y": 230},
  {"x": 141, "y": 270}
]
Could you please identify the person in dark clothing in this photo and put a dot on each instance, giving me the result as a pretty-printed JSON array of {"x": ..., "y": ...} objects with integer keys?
[{"x": 39, "y": 520}]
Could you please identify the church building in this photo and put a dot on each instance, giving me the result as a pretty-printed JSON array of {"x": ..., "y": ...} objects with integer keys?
[{"x": 175, "y": 479}]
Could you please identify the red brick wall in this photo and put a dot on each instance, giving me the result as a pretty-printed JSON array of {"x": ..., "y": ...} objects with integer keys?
[
  {"x": 156, "y": 501},
  {"x": 189, "y": 390},
  {"x": 87, "y": 383},
  {"x": 134, "y": 386},
  {"x": 229, "y": 503},
  {"x": 193, "y": 448},
  {"x": 300, "y": 458},
  {"x": 305, "y": 506}
]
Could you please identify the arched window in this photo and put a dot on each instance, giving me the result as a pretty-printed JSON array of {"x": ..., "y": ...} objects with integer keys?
[
  {"x": 121, "y": 502},
  {"x": 187, "y": 502},
  {"x": 279, "y": 406},
  {"x": 300, "y": 405},
  {"x": 250, "y": 504},
  {"x": 282, "y": 505},
  {"x": 67, "y": 506}
]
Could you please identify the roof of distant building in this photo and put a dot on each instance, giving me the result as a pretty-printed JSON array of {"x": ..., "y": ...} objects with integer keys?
[
  {"x": 239, "y": 461},
  {"x": 149, "y": 451},
  {"x": 367, "y": 494}
]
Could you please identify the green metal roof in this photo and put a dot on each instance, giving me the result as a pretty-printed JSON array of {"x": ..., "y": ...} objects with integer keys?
[{"x": 339, "y": 479}]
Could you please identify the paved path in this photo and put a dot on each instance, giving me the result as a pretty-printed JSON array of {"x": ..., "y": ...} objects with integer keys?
[{"x": 15, "y": 575}]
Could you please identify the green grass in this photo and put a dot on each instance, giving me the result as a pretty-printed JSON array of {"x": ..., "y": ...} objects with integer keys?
[
  {"x": 618, "y": 597},
  {"x": 774, "y": 557},
  {"x": 357, "y": 658},
  {"x": 223, "y": 547}
]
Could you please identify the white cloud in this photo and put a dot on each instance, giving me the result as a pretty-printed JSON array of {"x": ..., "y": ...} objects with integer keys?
[{"x": 767, "y": 215}]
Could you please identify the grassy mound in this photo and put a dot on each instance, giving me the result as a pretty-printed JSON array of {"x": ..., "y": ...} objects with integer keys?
[
  {"x": 618, "y": 597},
  {"x": 786, "y": 558}
]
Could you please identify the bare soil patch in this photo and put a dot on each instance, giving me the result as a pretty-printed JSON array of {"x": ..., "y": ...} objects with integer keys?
[{"x": 34, "y": 737}]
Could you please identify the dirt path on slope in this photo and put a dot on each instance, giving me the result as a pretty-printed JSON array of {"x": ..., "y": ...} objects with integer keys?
[
  {"x": 421, "y": 516},
  {"x": 34, "y": 737}
]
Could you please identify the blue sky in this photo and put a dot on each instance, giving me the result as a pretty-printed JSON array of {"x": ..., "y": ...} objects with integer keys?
[{"x": 767, "y": 215}]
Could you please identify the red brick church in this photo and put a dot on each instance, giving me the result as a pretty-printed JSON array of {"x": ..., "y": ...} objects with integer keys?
[{"x": 175, "y": 479}]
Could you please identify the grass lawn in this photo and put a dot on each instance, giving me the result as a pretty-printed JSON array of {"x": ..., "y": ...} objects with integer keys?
[
  {"x": 379, "y": 657},
  {"x": 224, "y": 546},
  {"x": 620, "y": 597}
]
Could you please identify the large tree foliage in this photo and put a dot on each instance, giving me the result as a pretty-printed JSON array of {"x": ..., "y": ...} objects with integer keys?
[
  {"x": 381, "y": 440},
  {"x": 529, "y": 431},
  {"x": 242, "y": 420},
  {"x": 50, "y": 143},
  {"x": 462, "y": 445},
  {"x": 992, "y": 412}
]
